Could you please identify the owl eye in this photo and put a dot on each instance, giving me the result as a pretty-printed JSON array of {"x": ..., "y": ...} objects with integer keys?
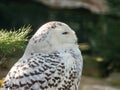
[{"x": 64, "y": 33}]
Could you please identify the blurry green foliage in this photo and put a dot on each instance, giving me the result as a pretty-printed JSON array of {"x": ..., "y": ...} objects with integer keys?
[
  {"x": 114, "y": 6},
  {"x": 13, "y": 41},
  {"x": 10, "y": 40},
  {"x": 105, "y": 41}
]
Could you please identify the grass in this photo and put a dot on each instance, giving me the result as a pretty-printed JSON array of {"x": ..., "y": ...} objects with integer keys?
[
  {"x": 12, "y": 41},
  {"x": 9, "y": 40}
]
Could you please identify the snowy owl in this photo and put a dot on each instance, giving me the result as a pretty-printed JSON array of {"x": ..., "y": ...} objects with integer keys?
[{"x": 52, "y": 61}]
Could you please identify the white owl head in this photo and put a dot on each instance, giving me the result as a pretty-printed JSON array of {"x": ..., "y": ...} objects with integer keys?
[{"x": 52, "y": 36}]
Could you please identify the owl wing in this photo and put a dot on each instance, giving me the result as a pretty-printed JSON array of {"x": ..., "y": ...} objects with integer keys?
[{"x": 43, "y": 72}]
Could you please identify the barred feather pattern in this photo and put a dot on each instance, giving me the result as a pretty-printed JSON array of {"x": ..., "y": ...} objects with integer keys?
[{"x": 45, "y": 72}]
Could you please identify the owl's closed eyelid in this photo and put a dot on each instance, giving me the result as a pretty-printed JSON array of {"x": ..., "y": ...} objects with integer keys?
[{"x": 65, "y": 33}]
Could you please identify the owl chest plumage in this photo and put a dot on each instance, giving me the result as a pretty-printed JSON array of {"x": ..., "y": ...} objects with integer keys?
[{"x": 56, "y": 71}]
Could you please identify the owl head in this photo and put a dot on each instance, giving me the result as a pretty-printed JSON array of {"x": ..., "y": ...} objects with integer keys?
[{"x": 51, "y": 37}]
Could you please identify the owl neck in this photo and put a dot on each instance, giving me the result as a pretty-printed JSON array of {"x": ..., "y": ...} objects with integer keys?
[
  {"x": 61, "y": 48},
  {"x": 67, "y": 47}
]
